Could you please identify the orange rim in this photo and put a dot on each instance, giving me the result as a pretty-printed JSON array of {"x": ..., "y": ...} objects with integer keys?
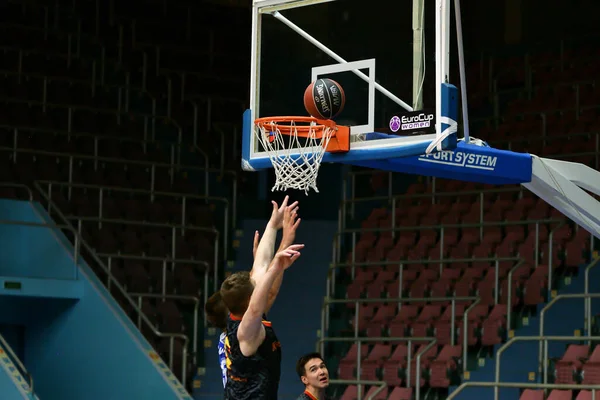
[{"x": 302, "y": 130}]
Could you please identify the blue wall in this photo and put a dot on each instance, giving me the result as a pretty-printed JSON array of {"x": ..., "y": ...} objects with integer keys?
[
  {"x": 31, "y": 252},
  {"x": 75, "y": 349}
]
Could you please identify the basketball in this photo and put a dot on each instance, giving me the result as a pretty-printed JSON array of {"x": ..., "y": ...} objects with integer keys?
[{"x": 324, "y": 99}]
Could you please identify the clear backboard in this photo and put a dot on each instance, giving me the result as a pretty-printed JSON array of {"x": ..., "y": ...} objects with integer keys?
[{"x": 399, "y": 101}]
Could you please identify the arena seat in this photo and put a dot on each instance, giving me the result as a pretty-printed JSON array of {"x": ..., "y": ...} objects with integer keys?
[
  {"x": 569, "y": 365},
  {"x": 590, "y": 371},
  {"x": 586, "y": 395}
]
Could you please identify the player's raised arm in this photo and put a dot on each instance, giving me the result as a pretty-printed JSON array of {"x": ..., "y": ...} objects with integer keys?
[
  {"x": 290, "y": 225},
  {"x": 266, "y": 246},
  {"x": 251, "y": 332}
]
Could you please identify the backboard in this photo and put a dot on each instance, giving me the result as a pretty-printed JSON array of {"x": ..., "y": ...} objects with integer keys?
[{"x": 398, "y": 99}]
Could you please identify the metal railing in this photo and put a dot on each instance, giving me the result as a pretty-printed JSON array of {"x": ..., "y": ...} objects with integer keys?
[
  {"x": 173, "y": 149},
  {"x": 176, "y": 231},
  {"x": 474, "y": 302},
  {"x": 173, "y": 262},
  {"x": 19, "y": 186},
  {"x": 196, "y": 302},
  {"x": 71, "y": 159},
  {"x": 185, "y": 199},
  {"x": 544, "y": 340},
  {"x": 431, "y": 341},
  {"x": 393, "y": 200},
  {"x": 76, "y": 237},
  {"x": 543, "y": 350},
  {"x": 359, "y": 383},
  {"x": 94, "y": 257},
  {"x": 497, "y": 385},
  {"x": 440, "y": 229},
  {"x": 23, "y": 371}
]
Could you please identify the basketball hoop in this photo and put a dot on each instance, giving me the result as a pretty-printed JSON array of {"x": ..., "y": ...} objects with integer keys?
[{"x": 297, "y": 160}]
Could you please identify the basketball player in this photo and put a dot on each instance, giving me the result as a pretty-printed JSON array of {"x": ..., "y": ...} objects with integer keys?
[
  {"x": 216, "y": 314},
  {"x": 313, "y": 373},
  {"x": 215, "y": 309},
  {"x": 252, "y": 348}
]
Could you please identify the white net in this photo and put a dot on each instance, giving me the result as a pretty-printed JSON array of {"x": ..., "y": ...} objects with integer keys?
[{"x": 296, "y": 158}]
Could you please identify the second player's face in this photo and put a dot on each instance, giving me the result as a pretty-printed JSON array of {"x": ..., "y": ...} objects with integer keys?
[{"x": 317, "y": 375}]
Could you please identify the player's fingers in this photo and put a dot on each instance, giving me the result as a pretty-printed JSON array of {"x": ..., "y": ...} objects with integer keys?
[
  {"x": 293, "y": 205},
  {"x": 296, "y": 247},
  {"x": 297, "y": 223},
  {"x": 275, "y": 207},
  {"x": 285, "y": 201}
]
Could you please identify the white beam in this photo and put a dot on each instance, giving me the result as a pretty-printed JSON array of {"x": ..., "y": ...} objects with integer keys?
[
  {"x": 274, "y": 5},
  {"x": 462, "y": 68},
  {"x": 339, "y": 59},
  {"x": 418, "y": 12},
  {"x": 580, "y": 174},
  {"x": 551, "y": 181},
  {"x": 438, "y": 67},
  {"x": 255, "y": 52}
]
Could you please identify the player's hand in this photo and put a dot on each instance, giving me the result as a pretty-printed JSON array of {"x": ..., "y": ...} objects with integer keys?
[
  {"x": 290, "y": 224},
  {"x": 255, "y": 244},
  {"x": 276, "y": 220},
  {"x": 285, "y": 258}
]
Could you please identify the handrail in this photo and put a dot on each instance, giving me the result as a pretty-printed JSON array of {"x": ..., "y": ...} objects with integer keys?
[
  {"x": 497, "y": 385},
  {"x": 382, "y": 385},
  {"x": 20, "y": 186},
  {"x": 545, "y": 339},
  {"x": 172, "y": 227},
  {"x": 77, "y": 237},
  {"x": 518, "y": 265},
  {"x": 465, "y": 342},
  {"x": 77, "y": 156},
  {"x": 126, "y": 139},
  {"x": 152, "y": 193},
  {"x": 465, "y": 225},
  {"x": 132, "y": 303},
  {"x": 360, "y": 340},
  {"x": 19, "y": 364},
  {"x": 585, "y": 297},
  {"x": 418, "y": 369},
  {"x": 339, "y": 235},
  {"x": 422, "y": 261},
  {"x": 451, "y": 300},
  {"x": 193, "y": 299},
  {"x": 173, "y": 263}
]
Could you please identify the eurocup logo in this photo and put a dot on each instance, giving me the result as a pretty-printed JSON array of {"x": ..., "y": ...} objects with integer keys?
[{"x": 395, "y": 124}]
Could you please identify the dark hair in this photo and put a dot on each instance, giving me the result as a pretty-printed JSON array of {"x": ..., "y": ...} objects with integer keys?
[
  {"x": 236, "y": 291},
  {"x": 216, "y": 311},
  {"x": 301, "y": 364}
]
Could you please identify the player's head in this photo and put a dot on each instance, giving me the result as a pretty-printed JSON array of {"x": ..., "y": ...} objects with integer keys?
[
  {"x": 312, "y": 371},
  {"x": 236, "y": 291},
  {"x": 216, "y": 311}
]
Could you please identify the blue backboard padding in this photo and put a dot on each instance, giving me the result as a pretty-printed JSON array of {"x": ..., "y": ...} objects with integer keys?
[{"x": 466, "y": 163}]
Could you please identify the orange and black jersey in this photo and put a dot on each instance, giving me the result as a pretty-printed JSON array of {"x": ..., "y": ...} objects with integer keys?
[
  {"x": 255, "y": 377},
  {"x": 308, "y": 396}
]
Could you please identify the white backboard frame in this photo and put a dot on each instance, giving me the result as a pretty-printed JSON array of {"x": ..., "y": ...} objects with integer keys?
[{"x": 369, "y": 65}]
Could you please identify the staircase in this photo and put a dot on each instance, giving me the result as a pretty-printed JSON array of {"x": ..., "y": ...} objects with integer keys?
[{"x": 74, "y": 335}]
